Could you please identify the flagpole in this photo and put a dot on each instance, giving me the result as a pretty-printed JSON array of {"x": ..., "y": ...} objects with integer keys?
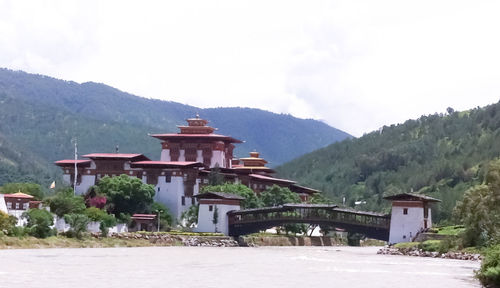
[{"x": 76, "y": 170}]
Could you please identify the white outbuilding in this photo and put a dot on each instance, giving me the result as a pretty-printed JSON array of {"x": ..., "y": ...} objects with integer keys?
[
  {"x": 411, "y": 213},
  {"x": 212, "y": 213}
]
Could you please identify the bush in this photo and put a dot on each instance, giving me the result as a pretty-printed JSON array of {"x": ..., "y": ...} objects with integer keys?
[
  {"x": 98, "y": 215},
  {"x": 7, "y": 222},
  {"x": 39, "y": 223},
  {"x": 78, "y": 223},
  {"x": 65, "y": 202},
  {"x": 489, "y": 274}
]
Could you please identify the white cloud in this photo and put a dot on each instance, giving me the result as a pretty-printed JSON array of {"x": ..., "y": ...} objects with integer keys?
[{"x": 357, "y": 65}]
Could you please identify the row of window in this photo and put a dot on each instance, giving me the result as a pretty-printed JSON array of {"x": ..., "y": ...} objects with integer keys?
[{"x": 25, "y": 206}]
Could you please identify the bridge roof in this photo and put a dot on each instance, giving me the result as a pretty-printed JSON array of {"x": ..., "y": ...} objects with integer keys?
[
  {"x": 366, "y": 213},
  {"x": 284, "y": 207}
]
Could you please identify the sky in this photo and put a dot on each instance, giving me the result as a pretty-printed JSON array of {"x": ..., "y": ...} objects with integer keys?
[{"x": 356, "y": 65}]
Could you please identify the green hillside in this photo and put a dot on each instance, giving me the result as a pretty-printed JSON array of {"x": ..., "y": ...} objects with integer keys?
[
  {"x": 40, "y": 115},
  {"x": 440, "y": 155}
]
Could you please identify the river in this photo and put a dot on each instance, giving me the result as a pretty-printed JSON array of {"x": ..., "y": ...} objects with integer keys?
[{"x": 228, "y": 267}]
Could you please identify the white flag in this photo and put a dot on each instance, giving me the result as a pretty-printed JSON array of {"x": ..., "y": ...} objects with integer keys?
[{"x": 53, "y": 185}]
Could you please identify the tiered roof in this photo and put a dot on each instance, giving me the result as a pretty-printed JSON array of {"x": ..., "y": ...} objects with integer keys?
[{"x": 197, "y": 129}]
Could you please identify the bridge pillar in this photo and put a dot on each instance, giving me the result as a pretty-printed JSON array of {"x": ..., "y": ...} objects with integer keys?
[
  {"x": 212, "y": 213},
  {"x": 411, "y": 213}
]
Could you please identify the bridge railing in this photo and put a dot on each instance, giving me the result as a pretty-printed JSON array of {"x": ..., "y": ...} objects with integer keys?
[{"x": 310, "y": 214}]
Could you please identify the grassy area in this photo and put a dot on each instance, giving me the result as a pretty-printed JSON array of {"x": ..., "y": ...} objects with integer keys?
[
  {"x": 450, "y": 230},
  {"x": 181, "y": 233},
  {"x": 406, "y": 245},
  {"x": 64, "y": 242}
]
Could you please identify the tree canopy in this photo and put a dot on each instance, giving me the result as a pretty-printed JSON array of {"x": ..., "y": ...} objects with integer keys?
[
  {"x": 251, "y": 199},
  {"x": 126, "y": 194}
]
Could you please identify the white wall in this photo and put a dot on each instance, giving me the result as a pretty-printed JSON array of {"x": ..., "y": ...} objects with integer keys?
[
  {"x": 217, "y": 159},
  {"x": 85, "y": 184},
  {"x": 205, "y": 218},
  {"x": 170, "y": 194},
  {"x": 3, "y": 206},
  {"x": 165, "y": 155},
  {"x": 405, "y": 227}
]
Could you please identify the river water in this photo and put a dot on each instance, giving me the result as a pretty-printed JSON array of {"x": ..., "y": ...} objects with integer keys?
[{"x": 228, "y": 267}]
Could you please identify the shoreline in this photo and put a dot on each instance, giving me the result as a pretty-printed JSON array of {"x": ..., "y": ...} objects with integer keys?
[{"x": 163, "y": 239}]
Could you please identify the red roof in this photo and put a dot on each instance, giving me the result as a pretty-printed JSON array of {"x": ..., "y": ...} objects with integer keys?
[
  {"x": 167, "y": 164},
  {"x": 200, "y": 136},
  {"x": 116, "y": 156},
  {"x": 69, "y": 162},
  {"x": 266, "y": 178},
  {"x": 18, "y": 195}
]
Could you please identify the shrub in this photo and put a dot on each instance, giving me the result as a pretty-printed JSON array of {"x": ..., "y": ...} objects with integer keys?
[
  {"x": 78, "y": 223},
  {"x": 39, "y": 223},
  {"x": 65, "y": 202},
  {"x": 7, "y": 222},
  {"x": 489, "y": 274},
  {"x": 98, "y": 215}
]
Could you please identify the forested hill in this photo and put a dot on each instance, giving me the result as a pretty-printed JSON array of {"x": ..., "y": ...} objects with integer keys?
[
  {"x": 39, "y": 116},
  {"x": 440, "y": 155}
]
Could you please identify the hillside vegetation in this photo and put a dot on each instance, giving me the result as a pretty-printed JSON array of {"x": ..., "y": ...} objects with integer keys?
[
  {"x": 39, "y": 116},
  {"x": 439, "y": 155}
]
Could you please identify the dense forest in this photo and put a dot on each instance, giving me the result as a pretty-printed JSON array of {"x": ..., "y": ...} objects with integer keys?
[
  {"x": 441, "y": 155},
  {"x": 39, "y": 116}
]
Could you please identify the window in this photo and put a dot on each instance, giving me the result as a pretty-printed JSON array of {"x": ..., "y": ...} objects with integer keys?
[
  {"x": 9, "y": 205},
  {"x": 193, "y": 201},
  {"x": 210, "y": 208},
  {"x": 168, "y": 177},
  {"x": 158, "y": 189},
  {"x": 25, "y": 206},
  {"x": 17, "y": 206},
  {"x": 183, "y": 201},
  {"x": 405, "y": 211}
]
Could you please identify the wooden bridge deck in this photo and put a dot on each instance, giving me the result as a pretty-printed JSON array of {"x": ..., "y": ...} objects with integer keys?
[{"x": 373, "y": 225}]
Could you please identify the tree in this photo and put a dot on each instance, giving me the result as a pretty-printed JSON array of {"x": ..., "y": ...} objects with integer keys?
[
  {"x": 97, "y": 215},
  {"x": 39, "y": 222},
  {"x": 276, "y": 196},
  {"x": 479, "y": 210},
  {"x": 32, "y": 189},
  {"x": 215, "y": 177},
  {"x": 7, "y": 222},
  {"x": 65, "y": 202},
  {"x": 126, "y": 194},
  {"x": 78, "y": 223},
  {"x": 251, "y": 199},
  {"x": 190, "y": 216},
  {"x": 215, "y": 218},
  {"x": 165, "y": 217}
]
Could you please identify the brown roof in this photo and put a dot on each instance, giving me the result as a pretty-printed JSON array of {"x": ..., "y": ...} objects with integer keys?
[
  {"x": 18, "y": 195},
  {"x": 166, "y": 164},
  {"x": 219, "y": 195},
  {"x": 215, "y": 137},
  {"x": 71, "y": 162},
  {"x": 411, "y": 197},
  {"x": 132, "y": 157}
]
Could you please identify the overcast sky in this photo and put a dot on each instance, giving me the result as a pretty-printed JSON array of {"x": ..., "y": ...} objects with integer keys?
[{"x": 357, "y": 65}]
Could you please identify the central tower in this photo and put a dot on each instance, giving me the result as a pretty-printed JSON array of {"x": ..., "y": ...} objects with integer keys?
[{"x": 197, "y": 143}]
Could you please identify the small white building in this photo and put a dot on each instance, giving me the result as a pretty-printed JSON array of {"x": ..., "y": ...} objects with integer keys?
[
  {"x": 411, "y": 213},
  {"x": 212, "y": 214},
  {"x": 16, "y": 204}
]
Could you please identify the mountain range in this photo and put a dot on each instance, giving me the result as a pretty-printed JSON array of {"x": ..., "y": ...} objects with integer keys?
[
  {"x": 440, "y": 155},
  {"x": 40, "y": 115}
]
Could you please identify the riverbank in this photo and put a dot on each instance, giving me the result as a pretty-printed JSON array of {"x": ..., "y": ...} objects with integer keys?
[
  {"x": 117, "y": 240},
  {"x": 151, "y": 239}
]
